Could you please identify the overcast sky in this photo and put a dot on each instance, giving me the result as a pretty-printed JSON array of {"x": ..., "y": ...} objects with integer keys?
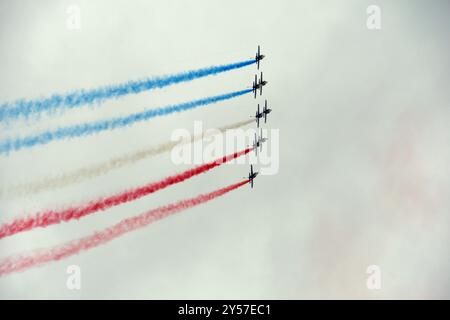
[{"x": 363, "y": 147}]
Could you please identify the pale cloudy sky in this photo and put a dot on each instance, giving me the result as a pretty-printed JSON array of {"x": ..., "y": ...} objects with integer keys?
[{"x": 363, "y": 147}]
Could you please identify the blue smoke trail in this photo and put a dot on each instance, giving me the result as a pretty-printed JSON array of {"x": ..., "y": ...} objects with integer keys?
[
  {"x": 95, "y": 127},
  {"x": 25, "y": 108}
]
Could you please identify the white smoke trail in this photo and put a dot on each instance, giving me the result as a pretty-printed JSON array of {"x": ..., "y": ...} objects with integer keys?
[{"x": 96, "y": 170}]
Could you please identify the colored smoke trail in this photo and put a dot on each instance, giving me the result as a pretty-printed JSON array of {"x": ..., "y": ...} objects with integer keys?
[
  {"x": 47, "y": 218},
  {"x": 39, "y": 257},
  {"x": 96, "y": 170},
  {"x": 85, "y": 129},
  {"x": 25, "y": 108},
  {"x": 236, "y": 125}
]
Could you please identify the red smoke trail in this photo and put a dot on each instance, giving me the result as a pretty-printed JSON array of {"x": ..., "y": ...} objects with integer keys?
[
  {"x": 38, "y": 257},
  {"x": 47, "y": 218}
]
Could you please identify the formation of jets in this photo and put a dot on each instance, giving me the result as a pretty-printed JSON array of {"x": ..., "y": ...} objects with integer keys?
[
  {"x": 252, "y": 175},
  {"x": 264, "y": 113},
  {"x": 257, "y": 143},
  {"x": 259, "y": 57},
  {"x": 258, "y": 85}
]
